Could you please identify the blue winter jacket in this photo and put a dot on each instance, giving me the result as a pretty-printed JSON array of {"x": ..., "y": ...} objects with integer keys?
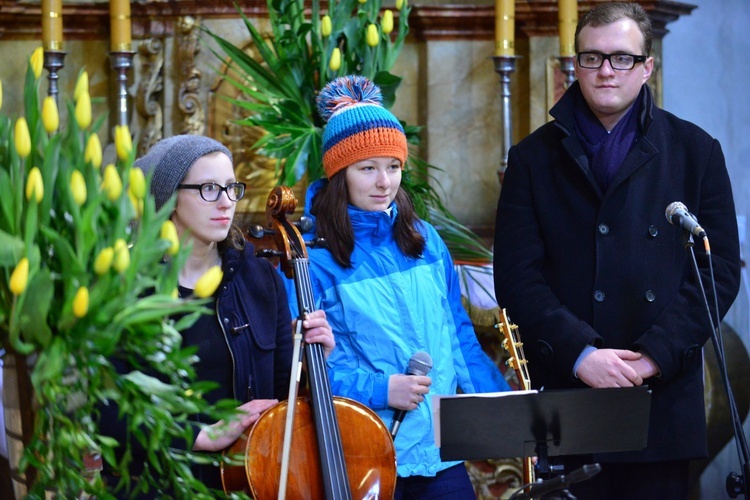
[{"x": 384, "y": 309}]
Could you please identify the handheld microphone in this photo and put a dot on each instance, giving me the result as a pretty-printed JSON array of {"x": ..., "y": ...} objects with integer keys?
[
  {"x": 419, "y": 364},
  {"x": 540, "y": 490},
  {"x": 677, "y": 214}
]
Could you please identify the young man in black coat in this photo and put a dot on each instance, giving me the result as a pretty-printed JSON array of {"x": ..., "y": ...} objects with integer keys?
[{"x": 588, "y": 266}]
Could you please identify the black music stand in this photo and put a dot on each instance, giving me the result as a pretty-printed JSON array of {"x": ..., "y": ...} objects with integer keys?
[{"x": 543, "y": 424}]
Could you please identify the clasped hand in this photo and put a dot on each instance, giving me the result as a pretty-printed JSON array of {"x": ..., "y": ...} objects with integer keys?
[{"x": 616, "y": 368}]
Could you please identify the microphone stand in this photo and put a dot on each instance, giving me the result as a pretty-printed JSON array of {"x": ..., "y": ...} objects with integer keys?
[{"x": 736, "y": 484}]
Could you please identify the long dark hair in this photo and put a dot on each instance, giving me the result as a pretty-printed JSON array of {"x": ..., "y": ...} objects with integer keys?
[{"x": 330, "y": 207}]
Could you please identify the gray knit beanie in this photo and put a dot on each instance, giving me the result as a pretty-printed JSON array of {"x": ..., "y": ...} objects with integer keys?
[{"x": 170, "y": 159}]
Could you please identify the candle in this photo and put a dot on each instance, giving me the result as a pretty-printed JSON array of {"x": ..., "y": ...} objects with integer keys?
[
  {"x": 52, "y": 30},
  {"x": 568, "y": 17},
  {"x": 505, "y": 18},
  {"x": 119, "y": 24}
]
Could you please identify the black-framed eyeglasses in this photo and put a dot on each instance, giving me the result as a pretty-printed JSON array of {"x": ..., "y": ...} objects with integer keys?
[
  {"x": 594, "y": 60},
  {"x": 210, "y": 191}
]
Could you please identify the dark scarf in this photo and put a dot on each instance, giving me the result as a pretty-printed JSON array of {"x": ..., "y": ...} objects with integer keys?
[{"x": 606, "y": 151}]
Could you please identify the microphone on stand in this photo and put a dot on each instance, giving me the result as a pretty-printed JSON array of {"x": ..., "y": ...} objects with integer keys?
[
  {"x": 677, "y": 214},
  {"x": 419, "y": 364}
]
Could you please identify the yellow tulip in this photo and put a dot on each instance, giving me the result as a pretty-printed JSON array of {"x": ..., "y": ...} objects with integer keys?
[
  {"x": 372, "y": 37},
  {"x": 208, "y": 283},
  {"x": 325, "y": 26},
  {"x": 82, "y": 85},
  {"x": 137, "y": 183},
  {"x": 1, "y": 93},
  {"x": 123, "y": 142},
  {"x": 137, "y": 204},
  {"x": 335, "y": 63},
  {"x": 386, "y": 24},
  {"x": 122, "y": 256},
  {"x": 20, "y": 277},
  {"x": 400, "y": 4},
  {"x": 169, "y": 233},
  {"x": 112, "y": 184},
  {"x": 37, "y": 61},
  {"x": 50, "y": 116},
  {"x": 81, "y": 302},
  {"x": 35, "y": 185},
  {"x": 362, "y": 1},
  {"x": 104, "y": 260},
  {"x": 22, "y": 138},
  {"x": 83, "y": 110},
  {"x": 175, "y": 294},
  {"x": 78, "y": 187},
  {"x": 93, "y": 153}
]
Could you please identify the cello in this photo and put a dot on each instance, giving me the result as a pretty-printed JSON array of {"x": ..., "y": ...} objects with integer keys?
[{"x": 341, "y": 448}]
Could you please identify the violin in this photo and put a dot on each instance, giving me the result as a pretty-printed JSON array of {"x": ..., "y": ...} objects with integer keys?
[{"x": 340, "y": 448}]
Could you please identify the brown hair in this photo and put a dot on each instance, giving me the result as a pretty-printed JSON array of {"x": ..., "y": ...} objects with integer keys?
[
  {"x": 608, "y": 13},
  {"x": 330, "y": 207}
]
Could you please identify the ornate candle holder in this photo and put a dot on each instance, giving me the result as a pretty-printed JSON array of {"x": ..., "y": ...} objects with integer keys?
[
  {"x": 567, "y": 66},
  {"x": 53, "y": 62},
  {"x": 122, "y": 61},
  {"x": 504, "y": 66}
]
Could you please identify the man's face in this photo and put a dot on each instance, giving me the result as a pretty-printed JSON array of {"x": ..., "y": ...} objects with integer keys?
[{"x": 609, "y": 92}]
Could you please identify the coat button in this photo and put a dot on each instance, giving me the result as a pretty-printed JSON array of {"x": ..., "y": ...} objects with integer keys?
[
  {"x": 653, "y": 231},
  {"x": 650, "y": 296},
  {"x": 226, "y": 321},
  {"x": 603, "y": 229},
  {"x": 599, "y": 296},
  {"x": 545, "y": 348}
]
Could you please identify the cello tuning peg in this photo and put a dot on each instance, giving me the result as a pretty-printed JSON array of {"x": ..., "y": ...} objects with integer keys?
[
  {"x": 258, "y": 231},
  {"x": 316, "y": 243},
  {"x": 268, "y": 253},
  {"x": 304, "y": 224}
]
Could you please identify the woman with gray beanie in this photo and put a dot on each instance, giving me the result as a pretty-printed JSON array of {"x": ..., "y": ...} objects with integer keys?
[{"x": 246, "y": 345}]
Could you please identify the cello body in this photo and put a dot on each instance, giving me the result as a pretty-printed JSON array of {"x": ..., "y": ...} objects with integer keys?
[{"x": 370, "y": 456}]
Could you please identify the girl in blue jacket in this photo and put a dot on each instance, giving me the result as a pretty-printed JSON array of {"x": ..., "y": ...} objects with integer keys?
[{"x": 389, "y": 289}]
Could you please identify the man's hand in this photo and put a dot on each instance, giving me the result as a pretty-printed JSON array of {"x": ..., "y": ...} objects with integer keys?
[{"x": 610, "y": 368}]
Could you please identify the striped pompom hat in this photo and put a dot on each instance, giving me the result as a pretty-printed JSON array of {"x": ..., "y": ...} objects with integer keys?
[{"x": 359, "y": 127}]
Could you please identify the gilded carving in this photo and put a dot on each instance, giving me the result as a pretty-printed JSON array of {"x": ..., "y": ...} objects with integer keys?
[
  {"x": 187, "y": 30},
  {"x": 149, "y": 96}
]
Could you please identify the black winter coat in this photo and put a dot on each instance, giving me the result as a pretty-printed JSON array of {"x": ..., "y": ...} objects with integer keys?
[{"x": 576, "y": 266}]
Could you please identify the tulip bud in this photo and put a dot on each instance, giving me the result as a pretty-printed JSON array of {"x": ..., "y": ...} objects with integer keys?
[
  {"x": 103, "y": 261},
  {"x": 175, "y": 294},
  {"x": 335, "y": 63},
  {"x": 1, "y": 93},
  {"x": 50, "y": 116},
  {"x": 208, "y": 283},
  {"x": 22, "y": 138},
  {"x": 400, "y": 4},
  {"x": 362, "y": 1},
  {"x": 325, "y": 26},
  {"x": 93, "y": 153},
  {"x": 372, "y": 37},
  {"x": 78, "y": 187},
  {"x": 83, "y": 110},
  {"x": 386, "y": 24},
  {"x": 137, "y": 183},
  {"x": 122, "y": 256},
  {"x": 112, "y": 184},
  {"x": 82, "y": 85},
  {"x": 123, "y": 142},
  {"x": 20, "y": 277},
  {"x": 35, "y": 185},
  {"x": 81, "y": 302},
  {"x": 37, "y": 61},
  {"x": 169, "y": 233}
]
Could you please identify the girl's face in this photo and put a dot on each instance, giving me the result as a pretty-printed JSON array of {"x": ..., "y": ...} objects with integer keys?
[
  {"x": 208, "y": 222},
  {"x": 373, "y": 183}
]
